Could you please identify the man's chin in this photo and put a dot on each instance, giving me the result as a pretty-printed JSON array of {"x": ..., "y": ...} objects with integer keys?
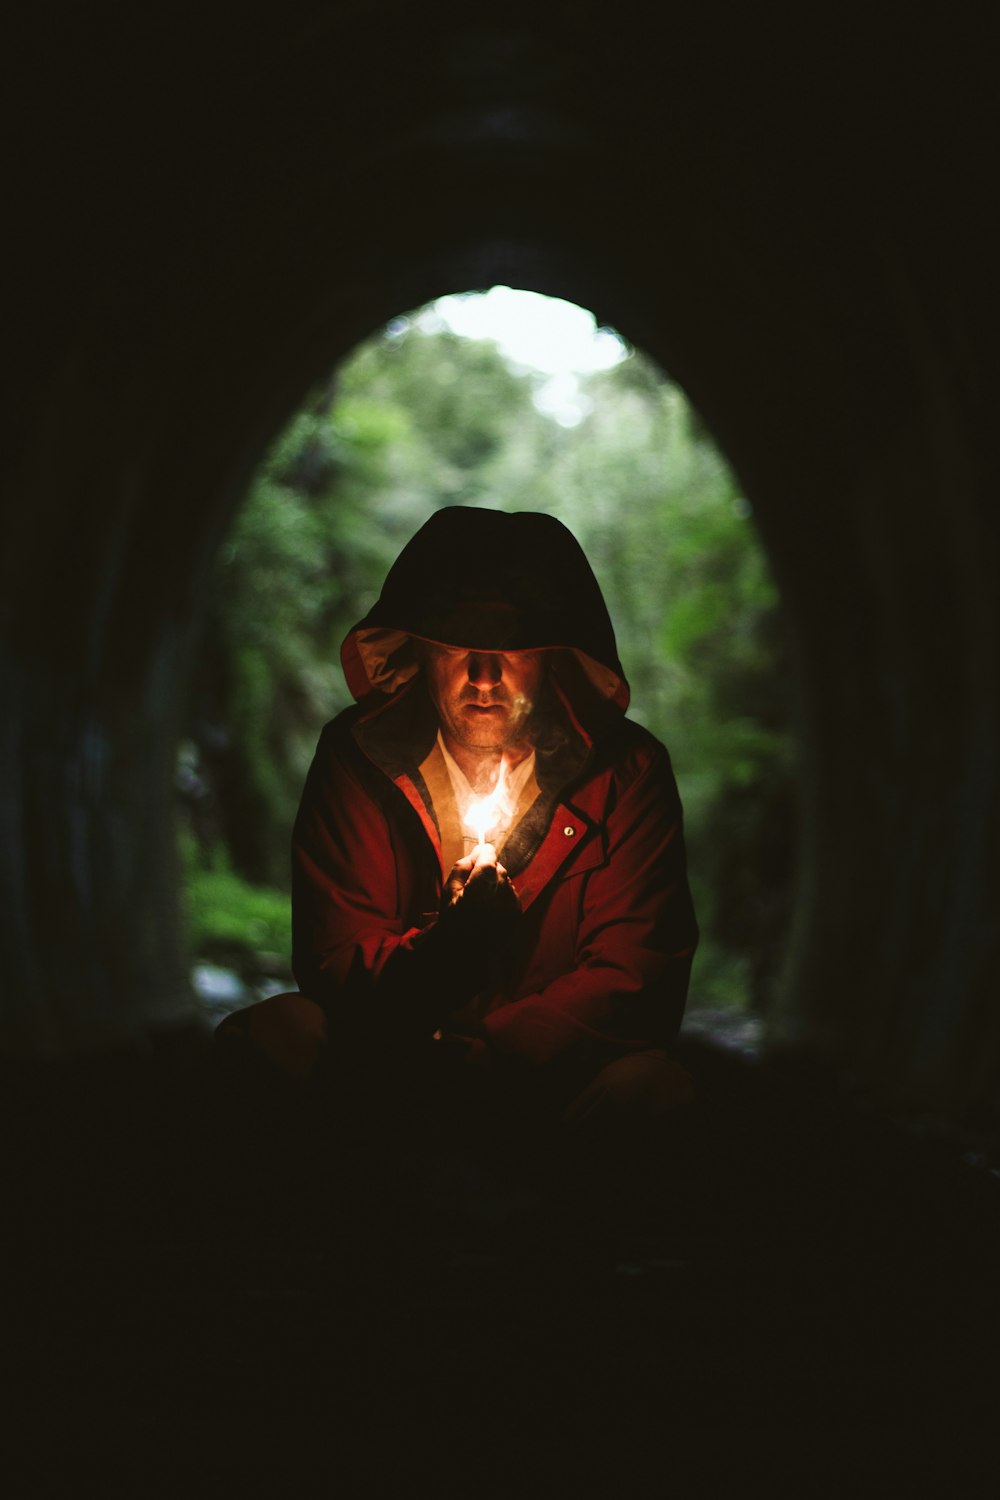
[
  {"x": 483, "y": 741},
  {"x": 480, "y": 729}
]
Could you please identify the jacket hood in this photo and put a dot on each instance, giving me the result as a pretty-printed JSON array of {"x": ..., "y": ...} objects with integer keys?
[{"x": 489, "y": 580}]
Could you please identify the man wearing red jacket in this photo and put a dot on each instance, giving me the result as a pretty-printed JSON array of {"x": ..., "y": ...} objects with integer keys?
[{"x": 488, "y": 861}]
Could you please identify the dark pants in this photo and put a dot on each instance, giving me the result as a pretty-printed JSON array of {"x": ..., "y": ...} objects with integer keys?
[{"x": 600, "y": 1147}]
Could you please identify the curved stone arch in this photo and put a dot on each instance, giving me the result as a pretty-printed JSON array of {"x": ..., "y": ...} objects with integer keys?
[{"x": 820, "y": 281}]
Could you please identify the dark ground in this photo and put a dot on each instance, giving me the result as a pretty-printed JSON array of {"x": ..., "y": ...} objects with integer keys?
[{"x": 819, "y": 1317}]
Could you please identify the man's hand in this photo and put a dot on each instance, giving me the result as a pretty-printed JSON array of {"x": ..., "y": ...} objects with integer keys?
[
  {"x": 480, "y": 890},
  {"x": 480, "y": 879},
  {"x": 479, "y": 911}
]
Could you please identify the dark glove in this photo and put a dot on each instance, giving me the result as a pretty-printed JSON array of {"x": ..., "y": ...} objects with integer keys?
[{"x": 480, "y": 903}]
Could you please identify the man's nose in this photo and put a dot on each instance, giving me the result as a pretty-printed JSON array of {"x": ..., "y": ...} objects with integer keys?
[{"x": 485, "y": 670}]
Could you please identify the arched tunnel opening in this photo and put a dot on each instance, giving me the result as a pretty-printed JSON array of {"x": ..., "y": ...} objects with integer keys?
[
  {"x": 799, "y": 234},
  {"x": 500, "y": 399}
]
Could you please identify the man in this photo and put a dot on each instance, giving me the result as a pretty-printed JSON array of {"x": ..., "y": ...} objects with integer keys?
[{"x": 538, "y": 961}]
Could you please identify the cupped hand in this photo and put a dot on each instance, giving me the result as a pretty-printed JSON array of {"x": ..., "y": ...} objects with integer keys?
[{"x": 480, "y": 882}]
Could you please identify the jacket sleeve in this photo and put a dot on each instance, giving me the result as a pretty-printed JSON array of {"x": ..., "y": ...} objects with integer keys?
[
  {"x": 626, "y": 982},
  {"x": 353, "y": 951}
]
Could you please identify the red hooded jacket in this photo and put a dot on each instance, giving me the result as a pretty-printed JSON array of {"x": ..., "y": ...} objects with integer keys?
[{"x": 598, "y": 961}]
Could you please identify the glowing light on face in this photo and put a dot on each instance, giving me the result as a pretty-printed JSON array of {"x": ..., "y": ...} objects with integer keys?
[{"x": 483, "y": 698}]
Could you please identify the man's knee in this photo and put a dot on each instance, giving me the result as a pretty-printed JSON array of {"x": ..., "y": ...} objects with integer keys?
[
  {"x": 285, "y": 1034},
  {"x": 640, "y": 1088}
]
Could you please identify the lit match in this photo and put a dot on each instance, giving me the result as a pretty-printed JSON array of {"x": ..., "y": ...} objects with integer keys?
[{"x": 485, "y": 815}]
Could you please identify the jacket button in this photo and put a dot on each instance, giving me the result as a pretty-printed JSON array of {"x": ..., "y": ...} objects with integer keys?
[{"x": 569, "y": 830}]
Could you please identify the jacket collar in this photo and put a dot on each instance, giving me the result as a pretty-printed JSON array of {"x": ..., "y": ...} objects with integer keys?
[{"x": 397, "y": 735}]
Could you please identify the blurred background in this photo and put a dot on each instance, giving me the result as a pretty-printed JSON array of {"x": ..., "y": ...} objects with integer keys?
[{"x": 519, "y": 402}]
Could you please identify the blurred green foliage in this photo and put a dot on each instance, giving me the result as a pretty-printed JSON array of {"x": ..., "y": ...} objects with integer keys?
[
  {"x": 230, "y": 916},
  {"x": 419, "y": 418}
]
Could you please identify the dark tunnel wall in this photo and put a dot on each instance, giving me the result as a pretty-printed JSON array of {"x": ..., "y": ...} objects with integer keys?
[{"x": 795, "y": 224}]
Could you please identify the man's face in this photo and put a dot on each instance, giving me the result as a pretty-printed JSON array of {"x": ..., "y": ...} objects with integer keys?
[{"x": 483, "y": 698}]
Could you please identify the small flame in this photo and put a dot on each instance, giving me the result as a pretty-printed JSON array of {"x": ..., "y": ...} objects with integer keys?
[{"x": 484, "y": 813}]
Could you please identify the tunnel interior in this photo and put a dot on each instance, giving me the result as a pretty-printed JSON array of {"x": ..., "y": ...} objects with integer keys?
[
  {"x": 832, "y": 330},
  {"x": 794, "y": 222}
]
